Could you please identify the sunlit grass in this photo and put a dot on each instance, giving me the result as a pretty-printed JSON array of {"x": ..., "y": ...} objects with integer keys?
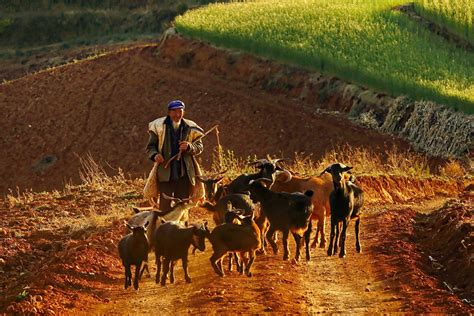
[
  {"x": 456, "y": 15},
  {"x": 362, "y": 41}
]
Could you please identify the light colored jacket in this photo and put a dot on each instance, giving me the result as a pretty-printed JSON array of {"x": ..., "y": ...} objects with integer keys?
[{"x": 159, "y": 173}]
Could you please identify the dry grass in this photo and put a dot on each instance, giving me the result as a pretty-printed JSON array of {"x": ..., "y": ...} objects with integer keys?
[
  {"x": 103, "y": 199},
  {"x": 364, "y": 161},
  {"x": 453, "y": 169}
]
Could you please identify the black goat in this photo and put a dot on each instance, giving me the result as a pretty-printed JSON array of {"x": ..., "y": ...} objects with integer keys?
[
  {"x": 267, "y": 171},
  {"x": 133, "y": 250},
  {"x": 172, "y": 242},
  {"x": 346, "y": 202},
  {"x": 286, "y": 212}
]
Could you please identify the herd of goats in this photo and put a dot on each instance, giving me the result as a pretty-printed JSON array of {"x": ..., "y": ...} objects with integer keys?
[{"x": 245, "y": 211}]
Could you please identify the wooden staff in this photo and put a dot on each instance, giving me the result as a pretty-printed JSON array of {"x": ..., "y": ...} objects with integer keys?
[{"x": 178, "y": 155}]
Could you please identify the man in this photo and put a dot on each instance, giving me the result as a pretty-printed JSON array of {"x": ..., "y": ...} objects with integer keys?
[{"x": 170, "y": 136}]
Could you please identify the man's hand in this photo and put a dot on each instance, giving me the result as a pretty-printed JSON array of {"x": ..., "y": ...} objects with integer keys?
[
  {"x": 184, "y": 146},
  {"x": 159, "y": 158}
]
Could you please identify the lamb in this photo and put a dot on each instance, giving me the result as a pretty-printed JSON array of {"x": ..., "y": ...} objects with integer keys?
[
  {"x": 230, "y": 237},
  {"x": 321, "y": 186},
  {"x": 267, "y": 170},
  {"x": 172, "y": 242},
  {"x": 286, "y": 212},
  {"x": 346, "y": 202},
  {"x": 133, "y": 250}
]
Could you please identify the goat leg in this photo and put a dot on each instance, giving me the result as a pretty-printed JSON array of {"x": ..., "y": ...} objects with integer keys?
[
  {"x": 239, "y": 262},
  {"x": 272, "y": 242},
  {"x": 331, "y": 238},
  {"x": 321, "y": 224},
  {"x": 315, "y": 240},
  {"x": 337, "y": 243},
  {"x": 128, "y": 276},
  {"x": 158, "y": 268},
  {"x": 286, "y": 250},
  {"x": 145, "y": 267},
  {"x": 249, "y": 264},
  {"x": 307, "y": 238},
  {"x": 230, "y": 256},
  {"x": 358, "y": 248},
  {"x": 166, "y": 269},
  {"x": 137, "y": 275},
  {"x": 214, "y": 259},
  {"x": 345, "y": 224},
  {"x": 172, "y": 264},
  {"x": 185, "y": 268}
]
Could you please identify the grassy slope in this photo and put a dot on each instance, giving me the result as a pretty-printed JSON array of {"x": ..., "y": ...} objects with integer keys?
[
  {"x": 456, "y": 15},
  {"x": 362, "y": 41}
]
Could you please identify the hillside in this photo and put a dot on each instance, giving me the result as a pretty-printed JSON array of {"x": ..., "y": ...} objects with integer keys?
[{"x": 102, "y": 106}]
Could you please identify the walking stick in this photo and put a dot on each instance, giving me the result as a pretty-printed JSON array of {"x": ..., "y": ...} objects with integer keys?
[{"x": 178, "y": 155}]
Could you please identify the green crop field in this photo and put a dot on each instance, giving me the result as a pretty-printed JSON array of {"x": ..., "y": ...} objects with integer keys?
[
  {"x": 456, "y": 15},
  {"x": 363, "y": 41}
]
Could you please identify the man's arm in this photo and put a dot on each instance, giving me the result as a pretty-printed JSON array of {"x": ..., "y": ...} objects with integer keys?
[{"x": 152, "y": 147}]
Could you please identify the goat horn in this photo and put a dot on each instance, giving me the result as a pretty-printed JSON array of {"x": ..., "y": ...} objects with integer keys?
[
  {"x": 274, "y": 161},
  {"x": 259, "y": 162},
  {"x": 202, "y": 178},
  {"x": 166, "y": 196}
]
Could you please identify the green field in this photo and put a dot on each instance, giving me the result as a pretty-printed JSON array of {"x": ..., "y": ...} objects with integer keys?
[
  {"x": 456, "y": 15},
  {"x": 363, "y": 41}
]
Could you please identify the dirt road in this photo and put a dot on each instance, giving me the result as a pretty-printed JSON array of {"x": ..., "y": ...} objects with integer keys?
[{"x": 387, "y": 277}]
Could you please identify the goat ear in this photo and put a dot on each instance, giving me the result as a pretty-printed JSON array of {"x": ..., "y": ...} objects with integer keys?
[
  {"x": 136, "y": 210},
  {"x": 325, "y": 170},
  {"x": 347, "y": 168}
]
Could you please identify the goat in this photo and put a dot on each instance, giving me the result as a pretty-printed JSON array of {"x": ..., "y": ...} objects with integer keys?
[
  {"x": 230, "y": 237},
  {"x": 321, "y": 186},
  {"x": 133, "y": 250},
  {"x": 240, "y": 201},
  {"x": 211, "y": 186},
  {"x": 346, "y": 202},
  {"x": 267, "y": 170},
  {"x": 179, "y": 213},
  {"x": 172, "y": 242},
  {"x": 286, "y": 212}
]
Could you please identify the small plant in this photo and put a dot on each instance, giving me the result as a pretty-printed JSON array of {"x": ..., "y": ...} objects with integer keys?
[
  {"x": 21, "y": 296},
  {"x": 452, "y": 169}
]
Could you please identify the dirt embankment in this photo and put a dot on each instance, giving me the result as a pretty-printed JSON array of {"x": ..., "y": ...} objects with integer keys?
[
  {"x": 79, "y": 269},
  {"x": 427, "y": 126}
]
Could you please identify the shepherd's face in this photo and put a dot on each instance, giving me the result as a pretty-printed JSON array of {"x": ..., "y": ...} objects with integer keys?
[{"x": 176, "y": 115}]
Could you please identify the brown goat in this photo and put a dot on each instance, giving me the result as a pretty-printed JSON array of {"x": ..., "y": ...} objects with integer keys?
[
  {"x": 229, "y": 237},
  {"x": 321, "y": 186}
]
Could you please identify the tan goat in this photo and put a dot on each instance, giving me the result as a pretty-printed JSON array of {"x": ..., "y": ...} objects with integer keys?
[{"x": 321, "y": 186}]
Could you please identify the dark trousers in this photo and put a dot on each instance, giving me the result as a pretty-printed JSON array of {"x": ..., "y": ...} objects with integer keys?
[{"x": 177, "y": 188}]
